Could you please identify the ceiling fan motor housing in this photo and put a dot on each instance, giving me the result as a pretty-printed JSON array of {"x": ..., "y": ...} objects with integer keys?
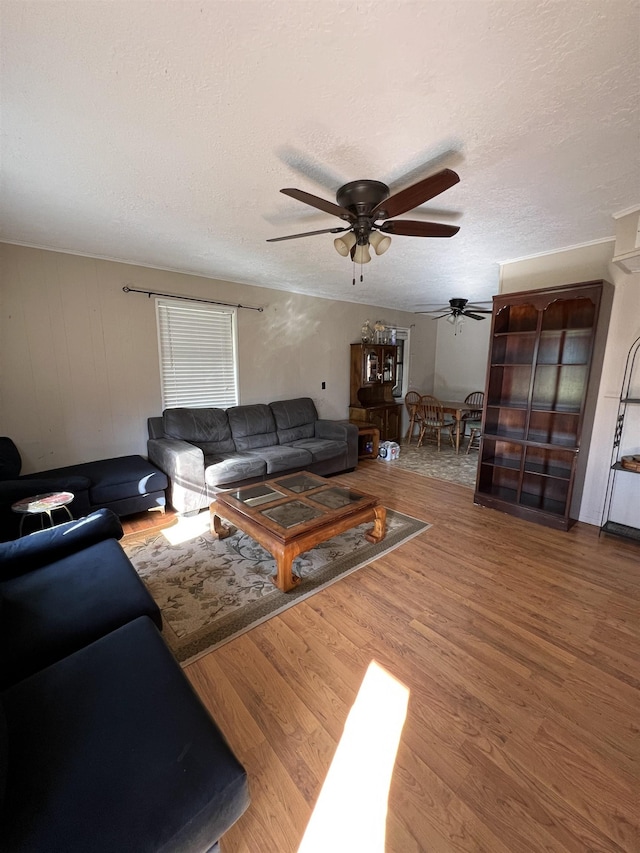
[
  {"x": 362, "y": 196},
  {"x": 457, "y": 305}
]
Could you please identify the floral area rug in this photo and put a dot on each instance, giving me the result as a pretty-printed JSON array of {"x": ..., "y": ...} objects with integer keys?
[
  {"x": 445, "y": 464},
  {"x": 212, "y": 590}
]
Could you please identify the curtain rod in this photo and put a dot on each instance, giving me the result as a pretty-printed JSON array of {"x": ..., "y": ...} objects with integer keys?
[{"x": 151, "y": 293}]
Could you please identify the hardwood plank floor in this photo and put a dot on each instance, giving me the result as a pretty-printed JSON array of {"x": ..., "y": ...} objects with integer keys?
[{"x": 520, "y": 648}]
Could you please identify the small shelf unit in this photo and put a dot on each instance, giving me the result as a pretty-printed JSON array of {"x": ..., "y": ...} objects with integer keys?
[
  {"x": 545, "y": 353},
  {"x": 622, "y": 517}
]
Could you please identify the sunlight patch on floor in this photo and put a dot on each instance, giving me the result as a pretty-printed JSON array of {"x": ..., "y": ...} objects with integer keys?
[
  {"x": 351, "y": 811},
  {"x": 187, "y": 528}
]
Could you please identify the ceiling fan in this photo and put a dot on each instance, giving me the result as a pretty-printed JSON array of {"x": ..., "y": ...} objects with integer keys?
[
  {"x": 459, "y": 308},
  {"x": 363, "y": 204}
]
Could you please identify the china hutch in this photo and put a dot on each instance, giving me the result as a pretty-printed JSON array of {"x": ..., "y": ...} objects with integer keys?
[
  {"x": 372, "y": 379},
  {"x": 545, "y": 357}
]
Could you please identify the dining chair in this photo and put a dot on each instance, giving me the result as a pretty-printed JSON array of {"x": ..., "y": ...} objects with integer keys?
[
  {"x": 434, "y": 420},
  {"x": 412, "y": 402},
  {"x": 475, "y": 428},
  {"x": 475, "y": 399}
]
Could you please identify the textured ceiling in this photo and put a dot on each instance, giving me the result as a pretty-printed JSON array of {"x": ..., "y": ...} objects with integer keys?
[{"x": 160, "y": 133}]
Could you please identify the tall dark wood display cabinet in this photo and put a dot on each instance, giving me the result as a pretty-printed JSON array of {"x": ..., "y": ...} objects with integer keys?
[{"x": 545, "y": 359}]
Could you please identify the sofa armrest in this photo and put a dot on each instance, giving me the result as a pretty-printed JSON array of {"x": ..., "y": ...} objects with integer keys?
[
  {"x": 336, "y": 431},
  {"x": 183, "y": 463},
  {"x": 340, "y": 431},
  {"x": 47, "y": 546}
]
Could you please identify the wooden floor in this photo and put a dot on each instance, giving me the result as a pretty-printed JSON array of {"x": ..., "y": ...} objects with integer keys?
[{"x": 520, "y": 647}]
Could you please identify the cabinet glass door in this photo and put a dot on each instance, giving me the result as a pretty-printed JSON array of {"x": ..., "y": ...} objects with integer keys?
[
  {"x": 371, "y": 366},
  {"x": 388, "y": 365}
]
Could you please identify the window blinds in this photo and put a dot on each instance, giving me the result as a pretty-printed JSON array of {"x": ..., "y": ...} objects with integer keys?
[{"x": 198, "y": 354}]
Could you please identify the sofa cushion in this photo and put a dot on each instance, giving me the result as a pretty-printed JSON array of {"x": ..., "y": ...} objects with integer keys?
[
  {"x": 109, "y": 480},
  {"x": 295, "y": 419},
  {"x": 122, "y": 477},
  {"x": 281, "y": 458},
  {"x": 320, "y": 449},
  {"x": 207, "y": 428},
  {"x": 236, "y": 466},
  {"x": 111, "y": 750},
  {"x": 53, "y": 611},
  {"x": 252, "y": 426},
  {"x": 47, "y": 546}
]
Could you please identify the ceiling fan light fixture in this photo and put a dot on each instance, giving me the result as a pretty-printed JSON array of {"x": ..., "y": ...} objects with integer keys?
[
  {"x": 362, "y": 254},
  {"x": 344, "y": 244},
  {"x": 380, "y": 242}
]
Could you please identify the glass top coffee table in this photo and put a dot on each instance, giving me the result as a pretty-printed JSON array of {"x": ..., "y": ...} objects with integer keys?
[{"x": 291, "y": 514}]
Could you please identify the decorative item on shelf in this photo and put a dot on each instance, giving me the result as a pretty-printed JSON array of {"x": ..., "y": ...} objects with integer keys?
[
  {"x": 380, "y": 329},
  {"x": 366, "y": 333}
]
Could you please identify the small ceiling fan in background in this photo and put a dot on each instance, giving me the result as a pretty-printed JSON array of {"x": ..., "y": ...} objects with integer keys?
[
  {"x": 362, "y": 204},
  {"x": 457, "y": 310}
]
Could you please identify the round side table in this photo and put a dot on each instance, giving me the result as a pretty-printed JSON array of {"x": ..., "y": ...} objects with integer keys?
[{"x": 43, "y": 505}]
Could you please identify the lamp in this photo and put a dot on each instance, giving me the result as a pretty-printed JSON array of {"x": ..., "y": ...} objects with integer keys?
[
  {"x": 344, "y": 244},
  {"x": 456, "y": 321},
  {"x": 379, "y": 242},
  {"x": 361, "y": 254}
]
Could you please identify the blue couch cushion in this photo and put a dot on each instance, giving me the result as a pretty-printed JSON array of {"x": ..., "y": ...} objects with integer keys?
[
  {"x": 53, "y": 611},
  {"x": 295, "y": 419},
  {"x": 252, "y": 426},
  {"x": 111, "y": 480},
  {"x": 281, "y": 458},
  {"x": 236, "y": 466},
  {"x": 208, "y": 428},
  {"x": 111, "y": 750}
]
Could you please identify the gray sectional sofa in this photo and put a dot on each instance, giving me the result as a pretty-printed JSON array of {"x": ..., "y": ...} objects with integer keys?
[{"x": 203, "y": 451}]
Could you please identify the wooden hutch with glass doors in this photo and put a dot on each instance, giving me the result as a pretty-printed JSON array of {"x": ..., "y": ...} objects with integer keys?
[
  {"x": 546, "y": 349},
  {"x": 372, "y": 379}
]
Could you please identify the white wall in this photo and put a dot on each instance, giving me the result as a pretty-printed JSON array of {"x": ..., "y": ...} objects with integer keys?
[
  {"x": 590, "y": 263},
  {"x": 461, "y": 360},
  {"x": 79, "y": 371}
]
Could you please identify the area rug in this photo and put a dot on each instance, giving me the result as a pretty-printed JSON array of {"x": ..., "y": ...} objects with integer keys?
[
  {"x": 210, "y": 591},
  {"x": 445, "y": 464}
]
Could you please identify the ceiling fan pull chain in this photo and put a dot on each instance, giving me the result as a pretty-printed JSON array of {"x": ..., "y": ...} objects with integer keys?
[{"x": 354, "y": 274}]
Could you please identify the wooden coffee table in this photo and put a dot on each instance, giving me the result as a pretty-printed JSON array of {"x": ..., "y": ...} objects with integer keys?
[{"x": 291, "y": 514}]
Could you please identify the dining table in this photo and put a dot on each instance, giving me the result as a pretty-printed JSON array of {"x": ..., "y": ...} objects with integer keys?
[{"x": 457, "y": 409}]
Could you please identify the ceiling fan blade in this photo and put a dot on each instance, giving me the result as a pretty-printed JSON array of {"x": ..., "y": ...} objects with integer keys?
[
  {"x": 478, "y": 309},
  {"x": 308, "y": 234},
  {"x": 434, "y": 312},
  {"x": 475, "y": 316},
  {"x": 412, "y": 228},
  {"x": 415, "y": 195},
  {"x": 320, "y": 203}
]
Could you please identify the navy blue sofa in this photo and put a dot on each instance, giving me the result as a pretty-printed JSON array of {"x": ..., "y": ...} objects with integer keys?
[
  {"x": 103, "y": 743},
  {"x": 124, "y": 484}
]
